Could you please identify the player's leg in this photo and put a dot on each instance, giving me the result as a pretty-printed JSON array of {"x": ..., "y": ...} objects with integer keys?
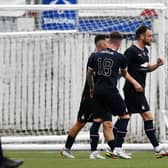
[
  {"x": 119, "y": 125},
  {"x": 137, "y": 103},
  {"x": 73, "y": 132},
  {"x": 108, "y": 134},
  {"x": 150, "y": 132},
  {"x": 84, "y": 115},
  {"x": 148, "y": 125},
  {"x": 119, "y": 108},
  {"x": 115, "y": 127},
  {"x": 149, "y": 128},
  {"x": 98, "y": 117},
  {"x": 6, "y": 162},
  {"x": 121, "y": 130},
  {"x": 94, "y": 138},
  {"x": 94, "y": 134},
  {"x": 103, "y": 109},
  {"x": 120, "y": 135}
]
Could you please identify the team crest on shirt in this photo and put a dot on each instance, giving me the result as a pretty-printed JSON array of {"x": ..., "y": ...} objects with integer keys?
[
  {"x": 143, "y": 107},
  {"x": 82, "y": 117},
  {"x": 140, "y": 55},
  {"x": 144, "y": 64}
]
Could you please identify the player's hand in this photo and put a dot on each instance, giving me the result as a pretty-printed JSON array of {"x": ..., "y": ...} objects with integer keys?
[
  {"x": 138, "y": 88},
  {"x": 91, "y": 93},
  {"x": 160, "y": 61}
]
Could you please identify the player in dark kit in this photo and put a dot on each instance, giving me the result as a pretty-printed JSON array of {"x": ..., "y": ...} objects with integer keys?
[
  {"x": 138, "y": 67},
  {"x": 85, "y": 110},
  {"x": 103, "y": 67}
]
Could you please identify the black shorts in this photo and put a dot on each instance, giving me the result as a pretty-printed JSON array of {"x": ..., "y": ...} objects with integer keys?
[
  {"x": 107, "y": 104},
  {"x": 136, "y": 102},
  {"x": 85, "y": 112}
]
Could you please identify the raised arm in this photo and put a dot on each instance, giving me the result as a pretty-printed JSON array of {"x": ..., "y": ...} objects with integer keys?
[{"x": 152, "y": 67}]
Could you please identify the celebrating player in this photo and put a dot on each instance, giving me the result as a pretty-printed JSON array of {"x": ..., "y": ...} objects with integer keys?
[
  {"x": 105, "y": 64},
  {"x": 138, "y": 67}
]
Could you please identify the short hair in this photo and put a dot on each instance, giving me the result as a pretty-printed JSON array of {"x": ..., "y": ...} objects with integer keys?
[
  {"x": 141, "y": 30},
  {"x": 100, "y": 37},
  {"x": 115, "y": 36}
]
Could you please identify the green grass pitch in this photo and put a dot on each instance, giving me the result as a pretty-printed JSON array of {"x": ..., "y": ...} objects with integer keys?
[{"x": 52, "y": 159}]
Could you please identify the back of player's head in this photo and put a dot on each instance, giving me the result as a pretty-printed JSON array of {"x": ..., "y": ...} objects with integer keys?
[
  {"x": 99, "y": 37},
  {"x": 141, "y": 30},
  {"x": 115, "y": 36},
  {"x": 100, "y": 42}
]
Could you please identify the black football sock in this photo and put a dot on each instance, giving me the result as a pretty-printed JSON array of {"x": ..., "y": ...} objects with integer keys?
[
  {"x": 94, "y": 135},
  {"x": 111, "y": 144},
  {"x": 69, "y": 142},
  {"x": 150, "y": 132},
  {"x": 115, "y": 128},
  {"x": 121, "y": 132}
]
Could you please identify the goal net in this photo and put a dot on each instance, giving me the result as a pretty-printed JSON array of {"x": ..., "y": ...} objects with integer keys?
[{"x": 44, "y": 51}]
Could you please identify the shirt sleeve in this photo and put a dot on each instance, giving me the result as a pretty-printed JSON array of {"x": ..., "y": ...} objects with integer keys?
[
  {"x": 123, "y": 61},
  {"x": 90, "y": 63},
  {"x": 130, "y": 56}
]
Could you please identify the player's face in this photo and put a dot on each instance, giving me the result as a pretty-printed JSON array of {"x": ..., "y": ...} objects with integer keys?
[{"x": 147, "y": 38}]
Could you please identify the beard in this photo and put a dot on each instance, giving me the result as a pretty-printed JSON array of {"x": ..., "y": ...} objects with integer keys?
[{"x": 147, "y": 43}]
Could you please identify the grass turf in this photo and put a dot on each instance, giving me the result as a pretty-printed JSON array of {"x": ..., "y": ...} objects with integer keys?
[{"x": 52, "y": 159}]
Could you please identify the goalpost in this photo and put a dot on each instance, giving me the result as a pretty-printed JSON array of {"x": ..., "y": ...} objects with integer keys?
[{"x": 44, "y": 51}]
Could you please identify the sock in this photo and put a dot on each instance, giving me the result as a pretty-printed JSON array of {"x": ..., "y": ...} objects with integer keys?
[
  {"x": 115, "y": 128},
  {"x": 1, "y": 152},
  {"x": 94, "y": 135},
  {"x": 150, "y": 132},
  {"x": 69, "y": 142},
  {"x": 111, "y": 144},
  {"x": 121, "y": 132}
]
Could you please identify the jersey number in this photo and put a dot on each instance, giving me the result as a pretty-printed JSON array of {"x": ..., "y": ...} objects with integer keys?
[{"x": 104, "y": 66}]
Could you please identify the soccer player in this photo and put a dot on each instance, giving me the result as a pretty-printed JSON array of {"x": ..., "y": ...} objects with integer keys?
[
  {"x": 106, "y": 64},
  {"x": 138, "y": 67},
  {"x": 6, "y": 162},
  {"x": 85, "y": 110}
]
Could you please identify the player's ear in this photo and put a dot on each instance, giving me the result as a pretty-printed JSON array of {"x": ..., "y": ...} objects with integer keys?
[{"x": 142, "y": 36}]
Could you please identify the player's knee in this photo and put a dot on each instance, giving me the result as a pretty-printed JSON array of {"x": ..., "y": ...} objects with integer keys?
[
  {"x": 80, "y": 124},
  {"x": 76, "y": 127},
  {"x": 147, "y": 116},
  {"x": 125, "y": 116},
  {"x": 107, "y": 125}
]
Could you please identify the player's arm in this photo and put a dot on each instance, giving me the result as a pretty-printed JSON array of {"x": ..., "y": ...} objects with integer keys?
[
  {"x": 152, "y": 67},
  {"x": 128, "y": 77},
  {"x": 90, "y": 80},
  {"x": 90, "y": 74}
]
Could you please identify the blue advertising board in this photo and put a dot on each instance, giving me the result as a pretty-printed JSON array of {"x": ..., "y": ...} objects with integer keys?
[{"x": 59, "y": 19}]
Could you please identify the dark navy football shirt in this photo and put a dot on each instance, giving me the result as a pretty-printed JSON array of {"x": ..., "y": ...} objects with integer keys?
[
  {"x": 106, "y": 64},
  {"x": 137, "y": 60}
]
